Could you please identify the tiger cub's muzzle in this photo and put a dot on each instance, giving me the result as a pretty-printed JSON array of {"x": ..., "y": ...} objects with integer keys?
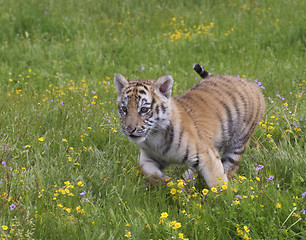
[{"x": 135, "y": 134}]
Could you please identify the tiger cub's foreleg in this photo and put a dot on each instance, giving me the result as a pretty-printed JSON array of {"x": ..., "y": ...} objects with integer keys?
[{"x": 152, "y": 169}]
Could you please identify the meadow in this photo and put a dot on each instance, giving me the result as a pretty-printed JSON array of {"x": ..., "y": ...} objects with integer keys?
[{"x": 67, "y": 171}]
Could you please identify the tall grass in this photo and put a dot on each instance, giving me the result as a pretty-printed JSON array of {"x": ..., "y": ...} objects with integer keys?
[{"x": 66, "y": 170}]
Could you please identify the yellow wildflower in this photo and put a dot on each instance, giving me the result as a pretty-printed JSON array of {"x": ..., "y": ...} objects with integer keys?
[
  {"x": 239, "y": 232},
  {"x": 172, "y": 223},
  {"x": 242, "y": 178},
  {"x": 169, "y": 184},
  {"x": 180, "y": 183},
  {"x": 296, "y": 215},
  {"x": 4, "y": 227},
  {"x": 177, "y": 225},
  {"x": 205, "y": 191},
  {"x": 164, "y": 215},
  {"x": 213, "y": 189}
]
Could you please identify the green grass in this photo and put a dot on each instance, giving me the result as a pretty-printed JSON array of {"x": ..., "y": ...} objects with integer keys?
[{"x": 66, "y": 170}]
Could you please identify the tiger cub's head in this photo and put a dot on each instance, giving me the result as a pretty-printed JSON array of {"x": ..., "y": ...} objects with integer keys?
[{"x": 143, "y": 105}]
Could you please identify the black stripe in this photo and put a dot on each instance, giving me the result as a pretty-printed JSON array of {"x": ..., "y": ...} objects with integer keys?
[
  {"x": 163, "y": 108},
  {"x": 235, "y": 104},
  {"x": 180, "y": 138},
  {"x": 196, "y": 163},
  {"x": 223, "y": 133},
  {"x": 149, "y": 122},
  {"x": 143, "y": 92},
  {"x": 153, "y": 102},
  {"x": 229, "y": 118},
  {"x": 169, "y": 135},
  {"x": 149, "y": 116},
  {"x": 145, "y": 87},
  {"x": 157, "y": 110},
  {"x": 186, "y": 155}
]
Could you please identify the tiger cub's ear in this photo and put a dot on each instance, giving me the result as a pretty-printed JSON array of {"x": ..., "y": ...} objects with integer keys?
[
  {"x": 120, "y": 82},
  {"x": 164, "y": 85}
]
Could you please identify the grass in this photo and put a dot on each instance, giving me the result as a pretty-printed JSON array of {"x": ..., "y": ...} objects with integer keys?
[{"x": 66, "y": 170}]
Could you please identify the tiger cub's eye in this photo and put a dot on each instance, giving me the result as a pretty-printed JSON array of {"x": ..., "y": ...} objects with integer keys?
[
  {"x": 144, "y": 110},
  {"x": 124, "y": 109}
]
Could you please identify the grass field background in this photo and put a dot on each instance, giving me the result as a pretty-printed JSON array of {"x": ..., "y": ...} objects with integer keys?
[{"x": 67, "y": 171}]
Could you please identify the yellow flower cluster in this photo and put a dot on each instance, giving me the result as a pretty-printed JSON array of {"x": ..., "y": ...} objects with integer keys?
[
  {"x": 183, "y": 32},
  {"x": 244, "y": 233}
]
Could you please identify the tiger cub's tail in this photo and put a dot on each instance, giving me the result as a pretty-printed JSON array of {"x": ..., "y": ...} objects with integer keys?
[{"x": 200, "y": 70}]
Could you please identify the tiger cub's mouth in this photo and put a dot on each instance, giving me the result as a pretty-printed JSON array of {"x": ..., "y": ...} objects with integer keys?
[{"x": 136, "y": 139}]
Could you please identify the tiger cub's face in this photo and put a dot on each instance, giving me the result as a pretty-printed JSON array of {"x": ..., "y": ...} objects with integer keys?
[{"x": 143, "y": 105}]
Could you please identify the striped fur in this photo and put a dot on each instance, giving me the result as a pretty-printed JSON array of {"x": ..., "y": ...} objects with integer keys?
[{"x": 207, "y": 128}]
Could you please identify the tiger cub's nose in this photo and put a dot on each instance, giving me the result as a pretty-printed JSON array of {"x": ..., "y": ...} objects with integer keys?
[{"x": 130, "y": 129}]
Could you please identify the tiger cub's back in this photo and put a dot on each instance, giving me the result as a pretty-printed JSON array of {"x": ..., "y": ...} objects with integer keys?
[{"x": 227, "y": 110}]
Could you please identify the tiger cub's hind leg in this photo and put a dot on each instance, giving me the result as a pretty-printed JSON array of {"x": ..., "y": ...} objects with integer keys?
[
  {"x": 231, "y": 158},
  {"x": 230, "y": 165}
]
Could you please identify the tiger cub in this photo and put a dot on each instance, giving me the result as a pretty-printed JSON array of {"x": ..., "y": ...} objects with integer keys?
[{"x": 207, "y": 128}]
